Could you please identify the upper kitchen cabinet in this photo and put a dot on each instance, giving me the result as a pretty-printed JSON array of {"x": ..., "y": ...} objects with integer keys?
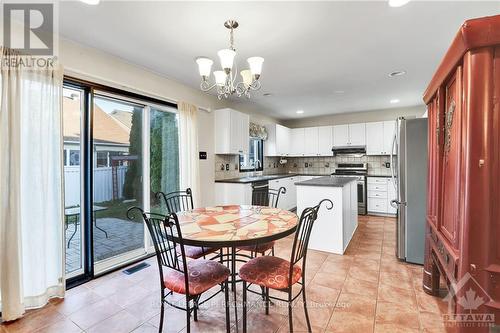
[
  {"x": 349, "y": 135},
  {"x": 297, "y": 138},
  {"x": 278, "y": 140},
  {"x": 389, "y": 132},
  {"x": 231, "y": 132},
  {"x": 375, "y": 138},
  {"x": 357, "y": 134},
  {"x": 341, "y": 135},
  {"x": 311, "y": 141},
  {"x": 379, "y": 137},
  {"x": 325, "y": 140}
]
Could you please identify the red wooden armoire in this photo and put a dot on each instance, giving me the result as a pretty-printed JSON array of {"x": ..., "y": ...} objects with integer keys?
[{"x": 463, "y": 212}]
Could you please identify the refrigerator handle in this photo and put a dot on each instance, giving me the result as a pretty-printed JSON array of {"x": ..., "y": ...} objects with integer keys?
[{"x": 392, "y": 157}]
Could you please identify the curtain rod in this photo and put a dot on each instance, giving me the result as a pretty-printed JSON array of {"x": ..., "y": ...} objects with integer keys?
[{"x": 83, "y": 76}]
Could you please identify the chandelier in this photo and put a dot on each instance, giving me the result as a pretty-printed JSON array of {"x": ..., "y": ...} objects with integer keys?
[{"x": 225, "y": 79}]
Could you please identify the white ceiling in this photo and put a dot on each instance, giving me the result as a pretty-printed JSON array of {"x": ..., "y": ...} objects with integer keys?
[{"x": 311, "y": 49}]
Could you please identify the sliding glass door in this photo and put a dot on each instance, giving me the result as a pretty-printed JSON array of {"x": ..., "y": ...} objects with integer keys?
[
  {"x": 73, "y": 108},
  {"x": 120, "y": 149}
]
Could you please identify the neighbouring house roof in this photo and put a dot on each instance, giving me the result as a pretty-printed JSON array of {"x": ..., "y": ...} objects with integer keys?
[
  {"x": 107, "y": 129},
  {"x": 123, "y": 117}
]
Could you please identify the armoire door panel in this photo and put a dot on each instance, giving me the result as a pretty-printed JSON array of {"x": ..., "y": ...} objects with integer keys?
[{"x": 452, "y": 158}]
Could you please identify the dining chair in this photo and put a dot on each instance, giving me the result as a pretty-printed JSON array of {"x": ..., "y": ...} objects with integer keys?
[
  {"x": 276, "y": 273},
  {"x": 271, "y": 199},
  {"x": 177, "y": 274},
  {"x": 181, "y": 201}
]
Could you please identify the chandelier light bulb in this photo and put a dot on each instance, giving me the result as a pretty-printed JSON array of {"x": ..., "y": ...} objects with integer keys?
[
  {"x": 227, "y": 80},
  {"x": 220, "y": 78},
  {"x": 255, "y": 65},
  {"x": 204, "y": 66},
  {"x": 226, "y": 59},
  {"x": 246, "y": 76}
]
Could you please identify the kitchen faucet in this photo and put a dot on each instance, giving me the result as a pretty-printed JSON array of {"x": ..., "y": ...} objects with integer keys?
[{"x": 255, "y": 166}]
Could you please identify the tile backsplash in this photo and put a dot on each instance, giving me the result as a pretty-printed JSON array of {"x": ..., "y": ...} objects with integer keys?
[
  {"x": 327, "y": 165},
  {"x": 226, "y": 166}
]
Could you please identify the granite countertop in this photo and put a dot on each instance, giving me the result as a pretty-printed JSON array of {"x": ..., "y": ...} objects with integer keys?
[
  {"x": 255, "y": 179},
  {"x": 328, "y": 181}
]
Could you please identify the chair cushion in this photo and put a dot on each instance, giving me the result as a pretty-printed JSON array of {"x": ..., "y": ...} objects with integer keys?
[
  {"x": 202, "y": 275},
  {"x": 260, "y": 248},
  {"x": 271, "y": 272},
  {"x": 195, "y": 252}
]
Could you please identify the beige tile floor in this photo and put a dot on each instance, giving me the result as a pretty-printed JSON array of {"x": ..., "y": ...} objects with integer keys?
[{"x": 366, "y": 290}]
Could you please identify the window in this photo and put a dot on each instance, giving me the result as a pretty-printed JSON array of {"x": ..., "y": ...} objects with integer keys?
[
  {"x": 74, "y": 157},
  {"x": 255, "y": 158},
  {"x": 102, "y": 159}
]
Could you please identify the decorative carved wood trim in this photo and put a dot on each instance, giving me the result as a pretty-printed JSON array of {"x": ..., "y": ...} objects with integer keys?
[{"x": 448, "y": 122}]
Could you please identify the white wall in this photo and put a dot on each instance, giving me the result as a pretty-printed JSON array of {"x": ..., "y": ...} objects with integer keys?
[
  {"x": 96, "y": 66},
  {"x": 357, "y": 117}
]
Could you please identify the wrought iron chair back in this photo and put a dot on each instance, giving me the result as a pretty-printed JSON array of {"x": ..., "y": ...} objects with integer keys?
[
  {"x": 177, "y": 201},
  {"x": 303, "y": 233},
  {"x": 269, "y": 198},
  {"x": 164, "y": 229}
]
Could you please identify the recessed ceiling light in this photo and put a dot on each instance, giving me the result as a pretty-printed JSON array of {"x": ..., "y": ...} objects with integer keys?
[
  {"x": 397, "y": 73},
  {"x": 299, "y": 111},
  {"x": 398, "y": 3},
  {"x": 394, "y": 101},
  {"x": 90, "y": 2}
]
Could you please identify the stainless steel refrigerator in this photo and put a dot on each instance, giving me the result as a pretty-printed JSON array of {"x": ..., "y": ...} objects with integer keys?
[{"x": 409, "y": 172}]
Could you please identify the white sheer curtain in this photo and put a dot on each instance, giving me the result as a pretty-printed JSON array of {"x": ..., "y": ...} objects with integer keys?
[
  {"x": 31, "y": 208},
  {"x": 188, "y": 139}
]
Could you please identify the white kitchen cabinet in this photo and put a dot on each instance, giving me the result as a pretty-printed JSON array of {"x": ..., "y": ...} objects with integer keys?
[
  {"x": 379, "y": 137},
  {"x": 233, "y": 194},
  {"x": 231, "y": 132},
  {"x": 341, "y": 135},
  {"x": 325, "y": 140},
  {"x": 375, "y": 138},
  {"x": 380, "y": 192},
  {"x": 278, "y": 140},
  {"x": 287, "y": 200},
  {"x": 357, "y": 134},
  {"x": 389, "y": 129},
  {"x": 349, "y": 135},
  {"x": 311, "y": 141},
  {"x": 297, "y": 142}
]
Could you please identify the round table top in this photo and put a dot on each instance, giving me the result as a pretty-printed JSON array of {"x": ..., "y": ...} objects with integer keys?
[{"x": 227, "y": 226}]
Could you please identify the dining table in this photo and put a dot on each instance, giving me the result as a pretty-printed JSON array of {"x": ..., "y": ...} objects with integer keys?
[{"x": 231, "y": 226}]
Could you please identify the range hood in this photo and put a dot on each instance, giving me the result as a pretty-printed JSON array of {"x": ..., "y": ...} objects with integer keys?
[{"x": 349, "y": 150}]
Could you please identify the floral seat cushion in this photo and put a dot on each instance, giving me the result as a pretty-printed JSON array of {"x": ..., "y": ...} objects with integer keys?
[
  {"x": 271, "y": 272},
  {"x": 195, "y": 252},
  {"x": 260, "y": 248},
  {"x": 202, "y": 275}
]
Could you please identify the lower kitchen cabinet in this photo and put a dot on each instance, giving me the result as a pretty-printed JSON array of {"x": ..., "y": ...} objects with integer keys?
[
  {"x": 233, "y": 194},
  {"x": 380, "y": 192}
]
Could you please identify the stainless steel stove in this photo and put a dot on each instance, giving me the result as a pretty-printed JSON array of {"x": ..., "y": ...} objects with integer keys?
[{"x": 359, "y": 170}]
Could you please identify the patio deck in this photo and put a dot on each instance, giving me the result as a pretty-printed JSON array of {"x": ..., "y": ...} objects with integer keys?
[{"x": 123, "y": 236}]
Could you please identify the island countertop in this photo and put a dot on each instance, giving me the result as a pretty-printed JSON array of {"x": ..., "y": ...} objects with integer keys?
[{"x": 330, "y": 181}]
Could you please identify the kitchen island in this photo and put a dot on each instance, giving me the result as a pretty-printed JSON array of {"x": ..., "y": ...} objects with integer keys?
[{"x": 333, "y": 230}]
